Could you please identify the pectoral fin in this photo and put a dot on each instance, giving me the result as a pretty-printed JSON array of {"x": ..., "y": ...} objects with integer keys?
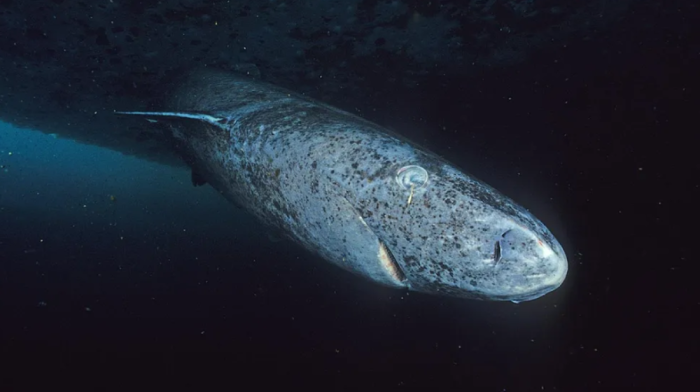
[{"x": 197, "y": 178}]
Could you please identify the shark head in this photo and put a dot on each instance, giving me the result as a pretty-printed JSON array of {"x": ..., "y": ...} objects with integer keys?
[{"x": 440, "y": 231}]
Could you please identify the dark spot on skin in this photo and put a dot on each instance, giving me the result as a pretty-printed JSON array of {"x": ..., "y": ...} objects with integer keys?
[
  {"x": 410, "y": 260},
  {"x": 444, "y": 266},
  {"x": 314, "y": 164},
  {"x": 472, "y": 282},
  {"x": 354, "y": 165}
]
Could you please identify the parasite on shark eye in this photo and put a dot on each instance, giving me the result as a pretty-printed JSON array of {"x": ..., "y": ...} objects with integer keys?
[{"x": 411, "y": 177}]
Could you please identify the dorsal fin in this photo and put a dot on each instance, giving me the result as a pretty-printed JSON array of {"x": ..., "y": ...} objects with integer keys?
[{"x": 208, "y": 118}]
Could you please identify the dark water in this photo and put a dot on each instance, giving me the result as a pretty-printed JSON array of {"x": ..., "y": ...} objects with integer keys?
[
  {"x": 115, "y": 271},
  {"x": 109, "y": 260}
]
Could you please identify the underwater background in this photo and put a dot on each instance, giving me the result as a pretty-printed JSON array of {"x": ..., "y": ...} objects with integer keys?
[{"x": 116, "y": 272}]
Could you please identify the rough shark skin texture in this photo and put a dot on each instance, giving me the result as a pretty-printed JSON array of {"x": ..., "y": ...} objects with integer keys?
[{"x": 362, "y": 198}]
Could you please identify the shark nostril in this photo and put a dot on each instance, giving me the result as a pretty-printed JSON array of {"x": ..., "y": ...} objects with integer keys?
[{"x": 497, "y": 252}]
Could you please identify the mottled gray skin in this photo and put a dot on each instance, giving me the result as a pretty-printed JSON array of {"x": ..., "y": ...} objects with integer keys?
[{"x": 332, "y": 182}]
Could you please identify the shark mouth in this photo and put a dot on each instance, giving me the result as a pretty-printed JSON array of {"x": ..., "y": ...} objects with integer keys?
[{"x": 389, "y": 264}]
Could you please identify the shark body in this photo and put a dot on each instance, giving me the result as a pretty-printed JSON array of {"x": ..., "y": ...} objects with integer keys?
[{"x": 358, "y": 196}]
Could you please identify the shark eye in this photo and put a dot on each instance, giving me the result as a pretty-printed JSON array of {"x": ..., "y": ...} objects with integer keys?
[{"x": 412, "y": 177}]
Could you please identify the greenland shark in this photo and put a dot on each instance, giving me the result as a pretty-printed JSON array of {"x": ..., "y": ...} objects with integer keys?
[{"x": 356, "y": 194}]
